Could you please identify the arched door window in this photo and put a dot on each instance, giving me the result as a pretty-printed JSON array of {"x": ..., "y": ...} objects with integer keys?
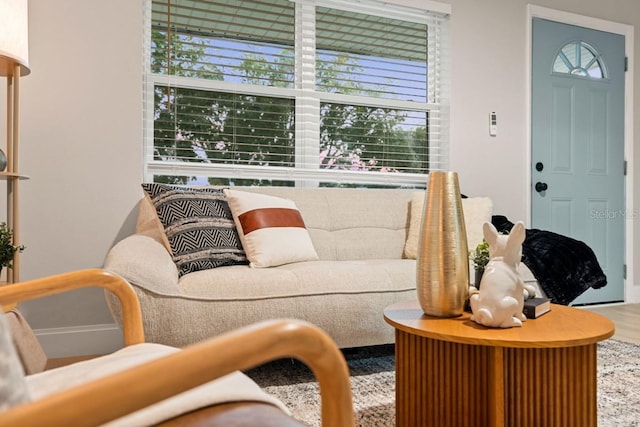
[{"x": 580, "y": 59}]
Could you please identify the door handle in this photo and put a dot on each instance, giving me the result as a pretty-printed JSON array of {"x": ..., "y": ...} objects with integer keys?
[{"x": 541, "y": 186}]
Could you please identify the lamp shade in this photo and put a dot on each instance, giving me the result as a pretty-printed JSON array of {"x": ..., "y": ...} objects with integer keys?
[{"x": 14, "y": 36}]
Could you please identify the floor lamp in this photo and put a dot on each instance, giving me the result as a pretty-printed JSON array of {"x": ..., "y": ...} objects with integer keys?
[{"x": 14, "y": 63}]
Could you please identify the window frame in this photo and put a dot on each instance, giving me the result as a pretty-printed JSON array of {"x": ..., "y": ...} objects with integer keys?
[{"x": 308, "y": 101}]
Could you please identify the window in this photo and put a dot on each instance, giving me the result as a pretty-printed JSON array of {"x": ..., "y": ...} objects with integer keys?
[
  {"x": 579, "y": 59},
  {"x": 280, "y": 92}
]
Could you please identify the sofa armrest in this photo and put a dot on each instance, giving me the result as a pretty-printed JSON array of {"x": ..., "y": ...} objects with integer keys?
[{"x": 144, "y": 262}]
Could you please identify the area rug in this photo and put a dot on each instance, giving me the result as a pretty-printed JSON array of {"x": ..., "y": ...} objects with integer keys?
[{"x": 373, "y": 382}]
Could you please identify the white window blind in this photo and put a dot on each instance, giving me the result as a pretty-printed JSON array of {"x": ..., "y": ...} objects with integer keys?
[{"x": 280, "y": 92}]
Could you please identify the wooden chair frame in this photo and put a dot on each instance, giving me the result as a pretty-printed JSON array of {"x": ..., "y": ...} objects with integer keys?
[{"x": 117, "y": 395}]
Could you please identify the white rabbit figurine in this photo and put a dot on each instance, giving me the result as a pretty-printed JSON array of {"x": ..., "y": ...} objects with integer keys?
[{"x": 501, "y": 297}]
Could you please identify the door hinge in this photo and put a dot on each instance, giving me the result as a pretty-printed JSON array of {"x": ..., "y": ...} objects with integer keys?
[
  {"x": 624, "y": 271},
  {"x": 626, "y": 63},
  {"x": 625, "y": 168}
]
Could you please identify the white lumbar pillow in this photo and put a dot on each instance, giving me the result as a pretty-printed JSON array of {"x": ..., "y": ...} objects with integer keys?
[{"x": 271, "y": 229}]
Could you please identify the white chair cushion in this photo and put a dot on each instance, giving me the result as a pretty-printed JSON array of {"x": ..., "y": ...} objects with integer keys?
[{"x": 230, "y": 388}]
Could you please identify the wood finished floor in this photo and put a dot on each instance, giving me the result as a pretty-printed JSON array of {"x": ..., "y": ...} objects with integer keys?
[{"x": 626, "y": 317}]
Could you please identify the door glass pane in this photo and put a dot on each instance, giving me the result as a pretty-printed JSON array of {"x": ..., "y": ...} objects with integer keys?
[{"x": 579, "y": 59}]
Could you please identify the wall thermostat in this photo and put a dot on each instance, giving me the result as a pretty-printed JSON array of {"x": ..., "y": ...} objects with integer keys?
[{"x": 493, "y": 123}]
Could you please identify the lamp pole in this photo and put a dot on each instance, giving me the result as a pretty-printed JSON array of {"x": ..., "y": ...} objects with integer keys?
[{"x": 13, "y": 180}]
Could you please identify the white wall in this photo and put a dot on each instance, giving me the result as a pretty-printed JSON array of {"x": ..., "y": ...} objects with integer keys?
[
  {"x": 81, "y": 146},
  {"x": 82, "y": 129},
  {"x": 485, "y": 80}
]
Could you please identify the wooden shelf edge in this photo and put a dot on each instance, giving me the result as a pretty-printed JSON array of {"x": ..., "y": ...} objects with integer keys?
[{"x": 13, "y": 175}]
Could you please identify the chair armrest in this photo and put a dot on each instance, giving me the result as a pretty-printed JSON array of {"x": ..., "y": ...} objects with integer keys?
[
  {"x": 135, "y": 388},
  {"x": 144, "y": 262},
  {"x": 32, "y": 289}
]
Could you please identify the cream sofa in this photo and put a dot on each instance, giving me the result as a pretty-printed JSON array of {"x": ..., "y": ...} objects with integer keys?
[{"x": 360, "y": 236}]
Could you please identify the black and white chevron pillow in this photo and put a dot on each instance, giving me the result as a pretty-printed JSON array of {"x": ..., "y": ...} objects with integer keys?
[{"x": 199, "y": 226}]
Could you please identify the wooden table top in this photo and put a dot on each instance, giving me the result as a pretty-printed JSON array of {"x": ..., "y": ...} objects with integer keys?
[{"x": 561, "y": 327}]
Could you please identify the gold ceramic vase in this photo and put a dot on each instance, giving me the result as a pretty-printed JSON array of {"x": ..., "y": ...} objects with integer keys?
[{"x": 442, "y": 264}]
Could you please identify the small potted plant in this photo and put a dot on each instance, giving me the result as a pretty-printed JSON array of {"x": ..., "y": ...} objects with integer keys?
[
  {"x": 7, "y": 248},
  {"x": 480, "y": 258}
]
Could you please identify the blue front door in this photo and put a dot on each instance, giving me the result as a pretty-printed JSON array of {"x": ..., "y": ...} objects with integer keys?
[{"x": 577, "y": 168}]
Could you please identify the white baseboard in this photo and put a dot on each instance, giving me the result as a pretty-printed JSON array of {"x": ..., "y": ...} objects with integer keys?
[{"x": 80, "y": 340}]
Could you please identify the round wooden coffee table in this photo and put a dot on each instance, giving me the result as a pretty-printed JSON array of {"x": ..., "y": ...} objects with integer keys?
[{"x": 454, "y": 372}]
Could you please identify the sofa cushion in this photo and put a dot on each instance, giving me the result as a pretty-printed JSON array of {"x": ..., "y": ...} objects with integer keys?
[
  {"x": 271, "y": 229},
  {"x": 344, "y": 298},
  {"x": 338, "y": 228},
  {"x": 476, "y": 211},
  {"x": 198, "y": 226},
  {"x": 301, "y": 279}
]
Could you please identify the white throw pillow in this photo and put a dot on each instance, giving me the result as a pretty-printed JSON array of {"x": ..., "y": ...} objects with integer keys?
[
  {"x": 271, "y": 229},
  {"x": 13, "y": 387},
  {"x": 476, "y": 211}
]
